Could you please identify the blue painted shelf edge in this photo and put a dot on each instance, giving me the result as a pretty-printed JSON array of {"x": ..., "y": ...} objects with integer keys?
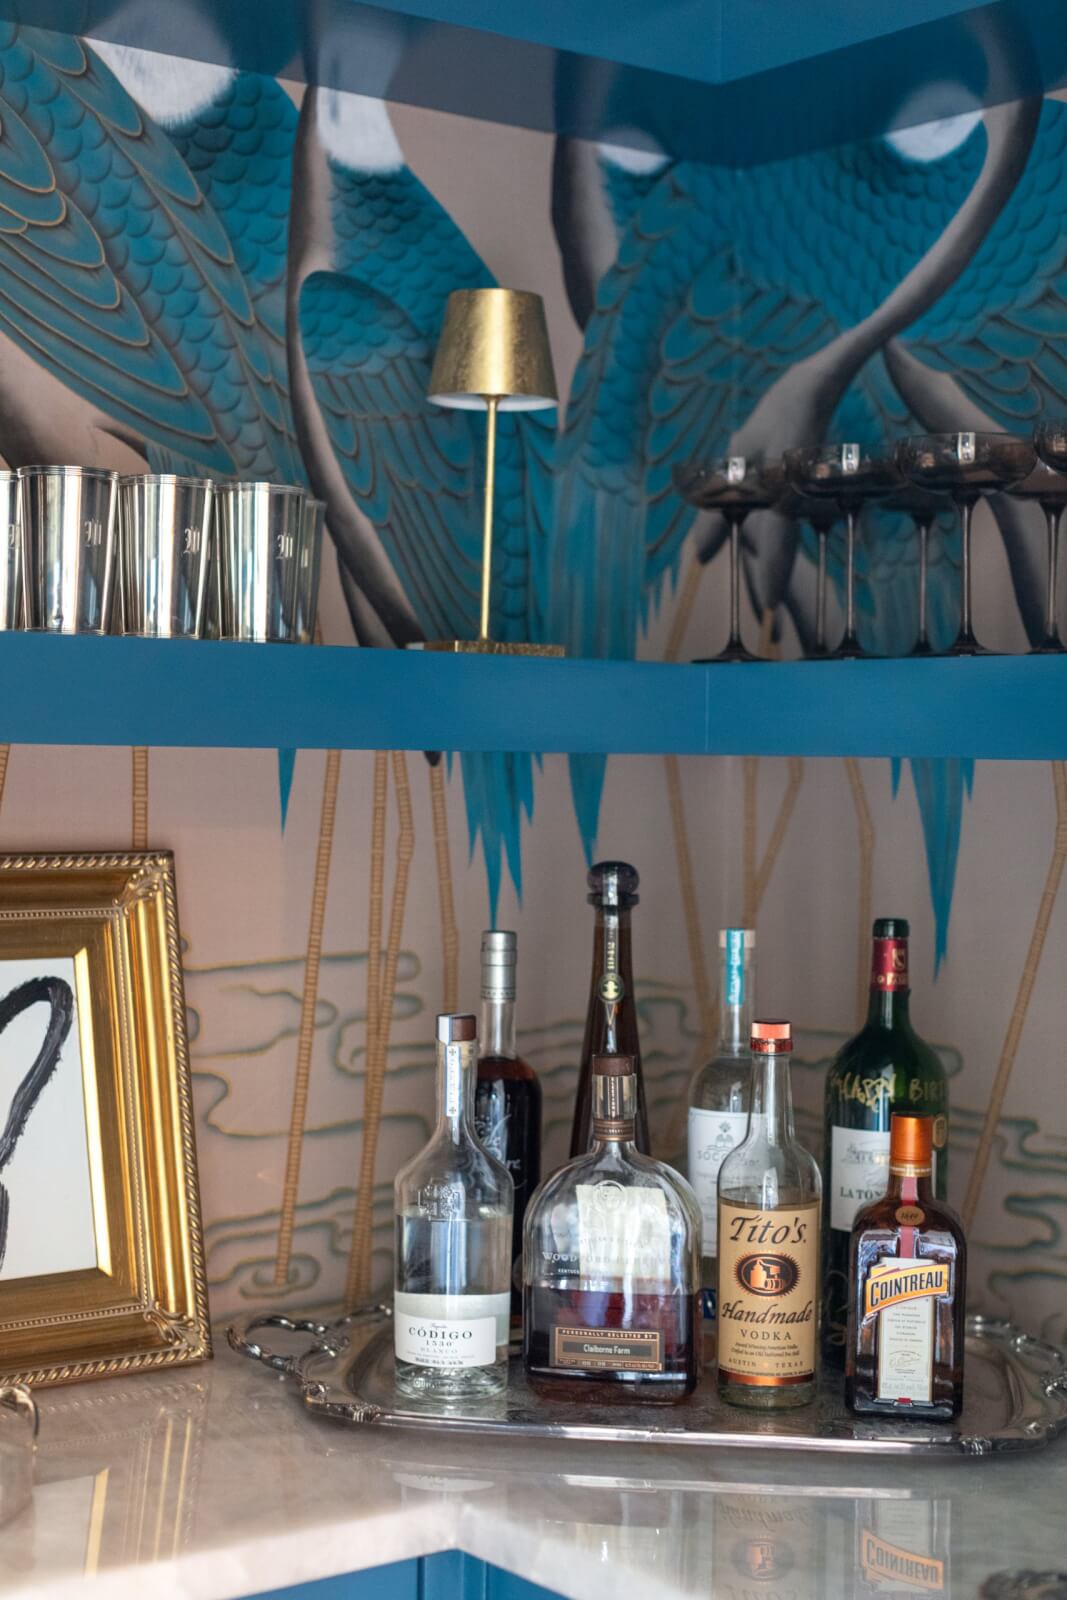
[{"x": 89, "y": 690}]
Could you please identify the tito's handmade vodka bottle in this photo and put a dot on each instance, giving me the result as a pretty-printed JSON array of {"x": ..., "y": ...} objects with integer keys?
[
  {"x": 769, "y": 1199},
  {"x": 451, "y": 1308},
  {"x": 718, "y": 1096}
]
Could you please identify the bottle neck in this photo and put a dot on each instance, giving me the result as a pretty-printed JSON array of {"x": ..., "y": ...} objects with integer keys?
[
  {"x": 736, "y": 990},
  {"x": 910, "y": 1186},
  {"x": 890, "y": 986},
  {"x": 497, "y": 1034},
  {"x": 772, "y": 1098},
  {"x": 456, "y": 1067},
  {"x": 612, "y": 984}
]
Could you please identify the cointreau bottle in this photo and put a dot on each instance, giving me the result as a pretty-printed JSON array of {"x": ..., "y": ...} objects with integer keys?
[
  {"x": 769, "y": 1200},
  {"x": 611, "y": 1263},
  {"x": 907, "y": 1291},
  {"x": 611, "y": 1021},
  {"x": 507, "y": 1098},
  {"x": 886, "y": 1067}
]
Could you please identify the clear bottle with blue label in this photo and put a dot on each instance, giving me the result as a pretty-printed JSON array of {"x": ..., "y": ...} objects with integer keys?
[{"x": 719, "y": 1094}]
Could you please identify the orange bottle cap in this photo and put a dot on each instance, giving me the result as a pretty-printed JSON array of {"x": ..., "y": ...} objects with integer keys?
[
  {"x": 771, "y": 1037},
  {"x": 911, "y": 1140}
]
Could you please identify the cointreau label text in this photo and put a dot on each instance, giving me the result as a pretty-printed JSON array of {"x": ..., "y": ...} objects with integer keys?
[{"x": 888, "y": 1284}]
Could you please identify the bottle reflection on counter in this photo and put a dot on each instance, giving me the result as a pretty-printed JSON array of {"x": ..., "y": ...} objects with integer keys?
[{"x": 766, "y": 1545}]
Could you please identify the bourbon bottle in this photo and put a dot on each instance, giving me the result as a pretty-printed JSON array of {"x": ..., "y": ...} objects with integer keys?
[
  {"x": 611, "y": 1263},
  {"x": 611, "y": 1021},
  {"x": 907, "y": 1291}
]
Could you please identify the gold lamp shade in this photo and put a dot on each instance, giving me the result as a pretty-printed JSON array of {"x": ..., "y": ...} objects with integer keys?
[{"x": 494, "y": 342}]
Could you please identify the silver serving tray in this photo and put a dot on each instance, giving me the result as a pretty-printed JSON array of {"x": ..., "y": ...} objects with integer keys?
[{"x": 1016, "y": 1398}]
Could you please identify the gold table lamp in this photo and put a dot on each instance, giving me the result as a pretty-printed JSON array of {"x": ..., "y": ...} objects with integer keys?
[{"x": 493, "y": 354}]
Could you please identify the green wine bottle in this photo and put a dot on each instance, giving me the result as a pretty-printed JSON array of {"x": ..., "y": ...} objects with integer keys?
[{"x": 886, "y": 1067}]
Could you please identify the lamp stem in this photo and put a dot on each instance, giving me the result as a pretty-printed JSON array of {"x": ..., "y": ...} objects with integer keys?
[{"x": 492, "y": 401}]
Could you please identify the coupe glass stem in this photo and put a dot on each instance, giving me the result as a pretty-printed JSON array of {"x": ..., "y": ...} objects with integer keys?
[
  {"x": 735, "y": 583},
  {"x": 966, "y": 634},
  {"x": 820, "y": 594},
  {"x": 1052, "y": 519},
  {"x": 850, "y": 640},
  {"x": 923, "y": 641}
]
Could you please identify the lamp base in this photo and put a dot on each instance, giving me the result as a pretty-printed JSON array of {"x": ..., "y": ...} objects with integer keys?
[{"x": 489, "y": 647}]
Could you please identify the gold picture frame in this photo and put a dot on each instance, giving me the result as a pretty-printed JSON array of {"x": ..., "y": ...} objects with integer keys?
[{"x": 98, "y": 1187}]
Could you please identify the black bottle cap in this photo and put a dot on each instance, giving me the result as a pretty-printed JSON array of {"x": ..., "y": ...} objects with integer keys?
[
  {"x": 613, "y": 883},
  {"x": 890, "y": 928}
]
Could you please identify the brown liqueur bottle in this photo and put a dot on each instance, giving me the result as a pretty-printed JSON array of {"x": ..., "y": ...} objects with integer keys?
[
  {"x": 611, "y": 1262},
  {"x": 507, "y": 1097},
  {"x": 907, "y": 1291},
  {"x": 611, "y": 1021}
]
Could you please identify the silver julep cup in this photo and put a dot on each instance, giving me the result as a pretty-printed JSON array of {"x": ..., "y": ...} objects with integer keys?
[
  {"x": 166, "y": 531},
  {"x": 12, "y": 588},
  {"x": 69, "y": 522},
  {"x": 307, "y": 586},
  {"x": 260, "y": 531}
]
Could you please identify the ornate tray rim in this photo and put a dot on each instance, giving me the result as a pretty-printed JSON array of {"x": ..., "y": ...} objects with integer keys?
[{"x": 328, "y": 1380}]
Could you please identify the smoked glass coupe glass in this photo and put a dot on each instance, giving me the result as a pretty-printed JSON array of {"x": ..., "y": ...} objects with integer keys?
[
  {"x": 922, "y": 506},
  {"x": 849, "y": 475},
  {"x": 966, "y": 466},
  {"x": 820, "y": 516},
  {"x": 733, "y": 487},
  {"x": 1047, "y": 484}
]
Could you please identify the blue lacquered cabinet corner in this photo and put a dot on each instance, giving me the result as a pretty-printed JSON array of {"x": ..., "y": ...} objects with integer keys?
[{"x": 451, "y": 1575}]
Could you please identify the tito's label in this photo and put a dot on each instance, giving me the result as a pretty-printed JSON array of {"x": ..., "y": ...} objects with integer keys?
[{"x": 768, "y": 1274}]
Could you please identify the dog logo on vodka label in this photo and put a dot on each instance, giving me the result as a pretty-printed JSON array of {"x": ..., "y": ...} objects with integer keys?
[{"x": 767, "y": 1275}]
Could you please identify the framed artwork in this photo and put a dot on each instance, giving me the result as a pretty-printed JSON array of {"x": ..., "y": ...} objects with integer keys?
[{"x": 101, "y": 1253}]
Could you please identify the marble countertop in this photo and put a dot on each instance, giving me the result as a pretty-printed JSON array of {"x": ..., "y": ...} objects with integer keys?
[{"x": 214, "y": 1483}]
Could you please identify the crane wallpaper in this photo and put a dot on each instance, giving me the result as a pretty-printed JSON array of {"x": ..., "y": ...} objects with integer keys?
[{"x": 209, "y": 271}]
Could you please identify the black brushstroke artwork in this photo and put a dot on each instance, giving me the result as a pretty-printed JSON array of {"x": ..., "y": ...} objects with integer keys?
[{"x": 59, "y": 997}]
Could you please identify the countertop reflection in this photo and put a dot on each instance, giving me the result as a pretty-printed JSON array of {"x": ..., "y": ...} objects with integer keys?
[{"x": 218, "y": 1482}]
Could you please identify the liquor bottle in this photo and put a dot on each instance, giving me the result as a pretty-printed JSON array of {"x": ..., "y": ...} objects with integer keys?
[
  {"x": 452, "y": 1300},
  {"x": 907, "y": 1291},
  {"x": 769, "y": 1203},
  {"x": 611, "y": 1265},
  {"x": 507, "y": 1098},
  {"x": 885, "y": 1067},
  {"x": 718, "y": 1095},
  {"x": 611, "y": 1022}
]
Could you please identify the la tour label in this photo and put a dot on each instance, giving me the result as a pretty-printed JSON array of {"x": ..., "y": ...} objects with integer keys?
[{"x": 768, "y": 1278}]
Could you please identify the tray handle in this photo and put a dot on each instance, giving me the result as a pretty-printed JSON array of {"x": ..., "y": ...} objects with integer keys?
[{"x": 327, "y": 1338}]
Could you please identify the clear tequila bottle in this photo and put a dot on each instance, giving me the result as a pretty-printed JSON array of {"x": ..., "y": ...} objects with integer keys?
[{"x": 454, "y": 1202}]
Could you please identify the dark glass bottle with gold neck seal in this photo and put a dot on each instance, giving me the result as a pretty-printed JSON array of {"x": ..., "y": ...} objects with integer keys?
[
  {"x": 886, "y": 1067},
  {"x": 907, "y": 1291},
  {"x": 611, "y": 1021}
]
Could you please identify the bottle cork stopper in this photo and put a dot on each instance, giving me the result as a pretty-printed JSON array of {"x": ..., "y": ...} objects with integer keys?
[{"x": 613, "y": 1066}]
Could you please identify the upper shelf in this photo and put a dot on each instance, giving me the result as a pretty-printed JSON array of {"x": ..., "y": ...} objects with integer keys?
[
  {"x": 735, "y": 82},
  {"x": 160, "y": 692}
]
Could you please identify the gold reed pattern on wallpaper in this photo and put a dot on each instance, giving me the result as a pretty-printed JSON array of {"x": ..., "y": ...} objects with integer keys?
[
  {"x": 757, "y": 872},
  {"x": 139, "y": 796},
  {"x": 1022, "y": 999},
  {"x": 308, "y": 1006},
  {"x": 865, "y": 842},
  {"x": 379, "y": 1012}
]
